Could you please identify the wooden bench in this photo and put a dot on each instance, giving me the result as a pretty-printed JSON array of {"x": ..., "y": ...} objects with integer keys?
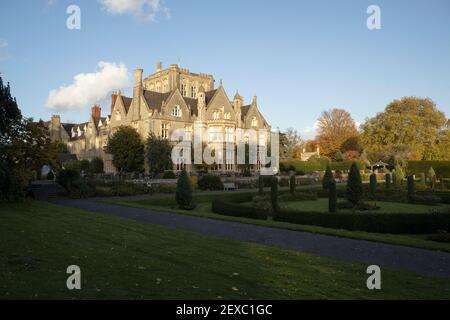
[{"x": 229, "y": 186}]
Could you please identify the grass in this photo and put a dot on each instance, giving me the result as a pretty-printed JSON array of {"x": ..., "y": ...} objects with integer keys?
[
  {"x": 126, "y": 259},
  {"x": 321, "y": 205},
  {"x": 203, "y": 209}
]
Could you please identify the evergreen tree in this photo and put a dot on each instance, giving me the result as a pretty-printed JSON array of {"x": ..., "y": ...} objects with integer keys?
[
  {"x": 399, "y": 175},
  {"x": 327, "y": 178},
  {"x": 332, "y": 196},
  {"x": 373, "y": 184},
  {"x": 354, "y": 185},
  {"x": 183, "y": 194}
]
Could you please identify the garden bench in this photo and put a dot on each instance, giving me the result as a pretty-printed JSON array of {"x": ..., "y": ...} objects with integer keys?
[{"x": 229, "y": 186}]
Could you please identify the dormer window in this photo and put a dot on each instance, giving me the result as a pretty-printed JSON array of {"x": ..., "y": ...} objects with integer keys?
[
  {"x": 176, "y": 111},
  {"x": 254, "y": 122},
  {"x": 216, "y": 115}
]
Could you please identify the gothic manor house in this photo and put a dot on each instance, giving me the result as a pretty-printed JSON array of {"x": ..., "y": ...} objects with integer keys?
[{"x": 169, "y": 99}]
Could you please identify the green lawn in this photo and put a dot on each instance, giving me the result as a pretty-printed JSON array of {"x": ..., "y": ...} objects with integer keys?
[
  {"x": 321, "y": 205},
  {"x": 166, "y": 203},
  {"x": 121, "y": 258}
]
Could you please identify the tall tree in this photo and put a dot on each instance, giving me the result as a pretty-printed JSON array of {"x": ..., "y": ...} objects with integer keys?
[
  {"x": 289, "y": 143},
  {"x": 127, "y": 150},
  {"x": 335, "y": 128},
  {"x": 158, "y": 154},
  {"x": 410, "y": 121}
]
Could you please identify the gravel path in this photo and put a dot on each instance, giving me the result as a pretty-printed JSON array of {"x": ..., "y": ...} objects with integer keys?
[{"x": 426, "y": 262}]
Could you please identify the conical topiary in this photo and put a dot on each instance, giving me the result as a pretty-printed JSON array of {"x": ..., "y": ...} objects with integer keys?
[
  {"x": 183, "y": 194},
  {"x": 327, "y": 178},
  {"x": 354, "y": 185}
]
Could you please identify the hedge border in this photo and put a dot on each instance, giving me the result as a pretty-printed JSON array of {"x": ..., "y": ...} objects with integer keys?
[
  {"x": 395, "y": 223},
  {"x": 238, "y": 210}
]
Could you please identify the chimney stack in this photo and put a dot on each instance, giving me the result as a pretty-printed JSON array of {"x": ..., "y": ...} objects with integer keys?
[
  {"x": 158, "y": 66},
  {"x": 113, "y": 101},
  {"x": 96, "y": 112}
]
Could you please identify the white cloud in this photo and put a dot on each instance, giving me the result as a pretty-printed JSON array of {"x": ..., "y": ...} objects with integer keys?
[
  {"x": 310, "y": 132},
  {"x": 143, "y": 10},
  {"x": 89, "y": 88}
]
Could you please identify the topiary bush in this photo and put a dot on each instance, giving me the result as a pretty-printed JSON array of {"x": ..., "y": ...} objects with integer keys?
[
  {"x": 210, "y": 182},
  {"x": 327, "y": 178},
  {"x": 354, "y": 185},
  {"x": 373, "y": 185},
  {"x": 332, "y": 199},
  {"x": 183, "y": 195}
]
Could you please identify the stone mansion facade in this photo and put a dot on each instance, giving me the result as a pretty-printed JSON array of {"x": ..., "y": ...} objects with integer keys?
[{"x": 167, "y": 100}]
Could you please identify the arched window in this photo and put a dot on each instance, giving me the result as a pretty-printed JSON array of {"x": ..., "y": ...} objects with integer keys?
[
  {"x": 176, "y": 111},
  {"x": 227, "y": 116}
]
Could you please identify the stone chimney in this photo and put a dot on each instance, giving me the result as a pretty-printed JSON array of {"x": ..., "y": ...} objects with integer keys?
[
  {"x": 96, "y": 112},
  {"x": 158, "y": 66}
]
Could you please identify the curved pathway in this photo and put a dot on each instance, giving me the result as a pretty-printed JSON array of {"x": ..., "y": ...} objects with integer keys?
[{"x": 426, "y": 262}]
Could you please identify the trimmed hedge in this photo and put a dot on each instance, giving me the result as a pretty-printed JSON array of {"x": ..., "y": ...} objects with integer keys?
[
  {"x": 419, "y": 166},
  {"x": 311, "y": 166},
  {"x": 399, "y": 223},
  {"x": 238, "y": 210}
]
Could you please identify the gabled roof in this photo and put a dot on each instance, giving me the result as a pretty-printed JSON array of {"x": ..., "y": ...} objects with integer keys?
[
  {"x": 244, "y": 111},
  {"x": 209, "y": 95},
  {"x": 126, "y": 103},
  {"x": 155, "y": 99}
]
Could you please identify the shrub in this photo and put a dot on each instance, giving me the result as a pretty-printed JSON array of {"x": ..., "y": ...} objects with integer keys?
[
  {"x": 292, "y": 184},
  {"x": 96, "y": 165},
  {"x": 283, "y": 182},
  {"x": 67, "y": 177},
  {"x": 210, "y": 182},
  {"x": 169, "y": 175},
  {"x": 274, "y": 194},
  {"x": 238, "y": 210},
  {"x": 354, "y": 185},
  {"x": 327, "y": 178},
  {"x": 361, "y": 206},
  {"x": 84, "y": 165},
  {"x": 373, "y": 185},
  {"x": 183, "y": 194},
  {"x": 396, "y": 223},
  {"x": 332, "y": 200}
]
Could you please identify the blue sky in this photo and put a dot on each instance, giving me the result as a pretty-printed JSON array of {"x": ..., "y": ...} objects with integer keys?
[{"x": 299, "y": 57}]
